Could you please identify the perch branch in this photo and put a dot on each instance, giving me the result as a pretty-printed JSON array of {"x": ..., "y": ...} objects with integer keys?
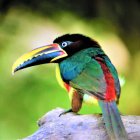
[{"x": 79, "y": 127}]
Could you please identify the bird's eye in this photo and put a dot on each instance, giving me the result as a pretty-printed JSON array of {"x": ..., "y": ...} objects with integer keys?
[{"x": 66, "y": 43}]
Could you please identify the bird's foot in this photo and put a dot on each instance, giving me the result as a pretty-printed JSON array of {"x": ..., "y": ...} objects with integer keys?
[
  {"x": 100, "y": 114},
  {"x": 65, "y": 112}
]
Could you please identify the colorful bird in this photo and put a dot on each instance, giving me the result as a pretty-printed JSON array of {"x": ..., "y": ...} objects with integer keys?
[{"x": 86, "y": 72}]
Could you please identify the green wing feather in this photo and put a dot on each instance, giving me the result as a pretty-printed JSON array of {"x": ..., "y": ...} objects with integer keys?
[
  {"x": 91, "y": 80},
  {"x": 84, "y": 73}
]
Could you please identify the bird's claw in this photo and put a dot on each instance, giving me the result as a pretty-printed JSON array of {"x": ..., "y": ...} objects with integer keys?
[{"x": 65, "y": 112}]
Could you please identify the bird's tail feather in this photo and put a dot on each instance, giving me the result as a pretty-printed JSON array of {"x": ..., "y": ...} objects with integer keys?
[{"x": 113, "y": 122}]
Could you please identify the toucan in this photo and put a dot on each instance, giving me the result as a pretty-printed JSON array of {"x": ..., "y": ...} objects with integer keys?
[{"x": 87, "y": 73}]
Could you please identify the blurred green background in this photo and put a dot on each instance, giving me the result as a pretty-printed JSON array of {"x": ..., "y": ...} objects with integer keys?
[{"x": 27, "y": 24}]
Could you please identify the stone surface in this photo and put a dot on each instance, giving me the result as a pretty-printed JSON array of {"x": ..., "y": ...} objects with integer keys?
[{"x": 79, "y": 127}]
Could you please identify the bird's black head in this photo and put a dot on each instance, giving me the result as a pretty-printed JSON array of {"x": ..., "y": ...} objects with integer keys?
[
  {"x": 73, "y": 43},
  {"x": 62, "y": 47}
]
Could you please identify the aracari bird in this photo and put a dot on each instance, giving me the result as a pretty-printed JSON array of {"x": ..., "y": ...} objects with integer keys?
[{"x": 85, "y": 69}]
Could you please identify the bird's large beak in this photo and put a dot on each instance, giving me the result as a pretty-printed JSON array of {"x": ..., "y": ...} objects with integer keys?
[{"x": 41, "y": 55}]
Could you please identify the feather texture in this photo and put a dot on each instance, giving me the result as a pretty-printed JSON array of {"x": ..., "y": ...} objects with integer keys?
[{"x": 113, "y": 122}]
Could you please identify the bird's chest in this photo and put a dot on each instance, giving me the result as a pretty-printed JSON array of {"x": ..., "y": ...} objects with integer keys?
[
  {"x": 72, "y": 67},
  {"x": 69, "y": 70}
]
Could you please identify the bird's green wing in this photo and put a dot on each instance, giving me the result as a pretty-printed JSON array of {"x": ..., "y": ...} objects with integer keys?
[{"x": 91, "y": 80}]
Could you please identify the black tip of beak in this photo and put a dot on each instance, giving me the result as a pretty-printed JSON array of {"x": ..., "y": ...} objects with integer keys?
[{"x": 34, "y": 61}]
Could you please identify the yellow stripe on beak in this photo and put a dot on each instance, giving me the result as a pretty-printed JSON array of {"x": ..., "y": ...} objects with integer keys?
[
  {"x": 27, "y": 56},
  {"x": 45, "y": 54}
]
